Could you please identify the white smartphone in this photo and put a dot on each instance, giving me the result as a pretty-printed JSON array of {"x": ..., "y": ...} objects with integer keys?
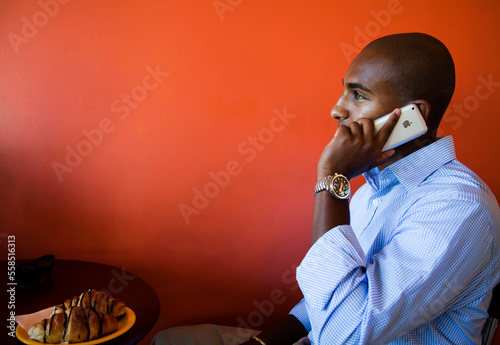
[{"x": 410, "y": 125}]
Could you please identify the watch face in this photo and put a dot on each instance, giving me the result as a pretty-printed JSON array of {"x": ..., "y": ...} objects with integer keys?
[{"x": 340, "y": 186}]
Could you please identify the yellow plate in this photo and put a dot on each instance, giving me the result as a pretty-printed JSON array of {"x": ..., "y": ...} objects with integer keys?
[{"x": 124, "y": 324}]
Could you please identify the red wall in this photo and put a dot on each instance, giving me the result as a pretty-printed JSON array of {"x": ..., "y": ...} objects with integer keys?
[{"x": 179, "y": 138}]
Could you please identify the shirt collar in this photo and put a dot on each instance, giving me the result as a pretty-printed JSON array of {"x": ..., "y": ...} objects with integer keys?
[{"x": 411, "y": 170}]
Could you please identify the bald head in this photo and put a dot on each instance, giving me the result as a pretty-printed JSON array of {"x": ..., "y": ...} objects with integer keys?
[{"x": 419, "y": 67}]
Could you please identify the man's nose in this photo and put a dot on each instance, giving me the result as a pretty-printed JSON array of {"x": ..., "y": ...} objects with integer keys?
[{"x": 338, "y": 112}]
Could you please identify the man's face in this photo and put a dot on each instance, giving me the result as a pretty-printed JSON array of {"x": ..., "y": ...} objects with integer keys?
[{"x": 368, "y": 89}]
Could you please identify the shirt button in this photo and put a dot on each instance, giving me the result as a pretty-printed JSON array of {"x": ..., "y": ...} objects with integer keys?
[{"x": 375, "y": 202}]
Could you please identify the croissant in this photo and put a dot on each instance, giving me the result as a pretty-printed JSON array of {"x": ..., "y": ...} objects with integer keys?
[
  {"x": 73, "y": 325},
  {"x": 98, "y": 301}
]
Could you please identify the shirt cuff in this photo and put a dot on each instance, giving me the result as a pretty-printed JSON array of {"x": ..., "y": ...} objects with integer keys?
[
  {"x": 335, "y": 258},
  {"x": 300, "y": 312}
]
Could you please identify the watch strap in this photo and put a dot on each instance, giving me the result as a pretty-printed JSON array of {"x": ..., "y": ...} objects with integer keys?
[
  {"x": 322, "y": 185},
  {"x": 328, "y": 183}
]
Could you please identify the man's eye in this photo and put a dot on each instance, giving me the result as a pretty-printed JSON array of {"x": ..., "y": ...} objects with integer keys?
[{"x": 358, "y": 95}]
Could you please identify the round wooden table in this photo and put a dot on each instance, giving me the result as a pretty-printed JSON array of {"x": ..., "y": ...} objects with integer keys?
[{"x": 69, "y": 278}]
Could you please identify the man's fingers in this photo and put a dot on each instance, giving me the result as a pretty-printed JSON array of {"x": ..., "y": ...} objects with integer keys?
[
  {"x": 386, "y": 130},
  {"x": 341, "y": 130},
  {"x": 367, "y": 126},
  {"x": 356, "y": 130},
  {"x": 384, "y": 157}
]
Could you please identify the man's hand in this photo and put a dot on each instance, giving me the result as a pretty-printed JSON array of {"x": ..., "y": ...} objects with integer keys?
[{"x": 355, "y": 148}]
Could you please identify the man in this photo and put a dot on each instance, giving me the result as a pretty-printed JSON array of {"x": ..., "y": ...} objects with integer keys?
[{"x": 415, "y": 255}]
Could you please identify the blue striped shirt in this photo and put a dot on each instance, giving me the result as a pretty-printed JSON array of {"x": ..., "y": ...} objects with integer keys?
[{"x": 417, "y": 264}]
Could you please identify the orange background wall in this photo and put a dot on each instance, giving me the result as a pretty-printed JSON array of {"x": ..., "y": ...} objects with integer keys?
[{"x": 179, "y": 138}]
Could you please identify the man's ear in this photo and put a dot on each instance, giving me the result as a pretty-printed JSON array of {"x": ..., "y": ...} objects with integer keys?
[{"x": 424, "y": 107}]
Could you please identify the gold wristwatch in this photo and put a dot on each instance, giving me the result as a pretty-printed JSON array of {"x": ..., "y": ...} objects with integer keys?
[{"x": 337, "y": 185}]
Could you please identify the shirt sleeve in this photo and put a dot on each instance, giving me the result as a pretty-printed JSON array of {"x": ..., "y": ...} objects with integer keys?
[
  {"x": 434, "y": 256},
  {"x": 300, "y": 312}
]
